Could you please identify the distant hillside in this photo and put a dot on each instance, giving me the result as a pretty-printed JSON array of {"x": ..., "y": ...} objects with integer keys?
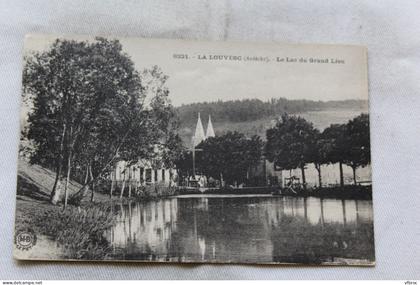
[
  {"x": 255, "y": 109},
  {"x": 253, "y": 116}
]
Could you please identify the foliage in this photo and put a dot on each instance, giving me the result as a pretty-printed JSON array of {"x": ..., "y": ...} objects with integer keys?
[
  {"x": 231, "y": 155},
  {"x": 78, "y": 233},
  {"x": 348, "y": 143},
  {"x": 90, "y": 108},
  {"x": 335, "y": 142},
  {"x": 291, "y": 143},
  {"x": 173, "y": 150},
  {"x": 357, "y": 133}
]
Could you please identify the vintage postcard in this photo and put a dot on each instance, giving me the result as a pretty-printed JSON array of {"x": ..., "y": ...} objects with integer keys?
[{"x": 190, "y": 151}]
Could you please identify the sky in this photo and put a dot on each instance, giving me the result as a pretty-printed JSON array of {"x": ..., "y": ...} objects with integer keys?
[{"x": 221, "y": 76}]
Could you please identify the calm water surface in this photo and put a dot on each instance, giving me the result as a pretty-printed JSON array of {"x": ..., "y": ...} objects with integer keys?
[{"x": 257, "y": 228}]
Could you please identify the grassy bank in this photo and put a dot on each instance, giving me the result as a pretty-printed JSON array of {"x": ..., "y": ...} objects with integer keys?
[{"x": 76, "y": 231}]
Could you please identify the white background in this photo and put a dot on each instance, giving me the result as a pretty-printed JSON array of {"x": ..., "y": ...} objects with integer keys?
[{"x": 390, "y": 30}]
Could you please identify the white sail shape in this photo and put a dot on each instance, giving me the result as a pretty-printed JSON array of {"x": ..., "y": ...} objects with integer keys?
[
  {"x": 210, "y": 131},
  {"x": 199, "y": 135}
]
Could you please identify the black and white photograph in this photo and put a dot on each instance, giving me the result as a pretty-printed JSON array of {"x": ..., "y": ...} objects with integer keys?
[{"x": 194, "y": 152}]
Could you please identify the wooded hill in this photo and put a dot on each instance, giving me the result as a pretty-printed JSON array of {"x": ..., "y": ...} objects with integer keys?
[
  {"x": 255, "y": 109},
  {"x": 253, "y": 116}
]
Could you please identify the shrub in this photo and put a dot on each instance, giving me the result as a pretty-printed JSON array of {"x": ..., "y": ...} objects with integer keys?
[{"x": 78, "y": 232}]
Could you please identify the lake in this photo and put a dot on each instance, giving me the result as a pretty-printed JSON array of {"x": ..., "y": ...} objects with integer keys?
[{"x": 245, "y": 229}]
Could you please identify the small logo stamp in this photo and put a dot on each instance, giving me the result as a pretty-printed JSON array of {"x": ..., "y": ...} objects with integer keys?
[{"x": 25, "y": 239}]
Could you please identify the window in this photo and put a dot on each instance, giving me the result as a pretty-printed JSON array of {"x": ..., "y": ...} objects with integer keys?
[
  {"x": 163, "y": 174},
  {"x": 156, "y": 175}
]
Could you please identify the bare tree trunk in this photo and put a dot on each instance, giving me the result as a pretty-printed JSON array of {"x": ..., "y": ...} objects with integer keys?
[
  {"x": 105, "y": 167},
  {"x": 112, "y": 183},
  {"x": 56, "y": 191},
  {"x": 66, "y": 187},
  {"x": 92, "y": 190},
  {"x": 77, "y": 198},
  {"x": 170, "y": 177},
  {"x": 318, "y": 168},
  {"x": 123, "y": 185},
  {"x": 341, "y": 175},
  {"x": 55, "y": 195},
  {"x": 354, "y": 175},
  {"x": 85, "y": 189},
  {"x": 129, "y": 182},
  {"x": 302, "y": 168},
  {"x": 87, "y": 173}
]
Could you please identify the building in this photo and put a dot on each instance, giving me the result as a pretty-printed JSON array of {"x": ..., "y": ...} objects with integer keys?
[{"x": 143, "y": 173}]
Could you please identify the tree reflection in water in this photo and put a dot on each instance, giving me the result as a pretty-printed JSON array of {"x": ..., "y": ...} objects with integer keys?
[{"x": 244, "y": 229}]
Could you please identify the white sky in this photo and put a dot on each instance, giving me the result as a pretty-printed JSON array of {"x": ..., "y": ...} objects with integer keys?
[{"x": 196, "y": 80}]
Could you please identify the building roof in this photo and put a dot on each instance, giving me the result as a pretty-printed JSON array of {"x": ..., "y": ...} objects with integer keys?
[
  {"x": 199, "y": 135},
  {"x": 210, "y": 131}
]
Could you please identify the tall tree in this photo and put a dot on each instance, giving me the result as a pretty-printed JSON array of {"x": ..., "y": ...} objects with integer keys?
[
  {"x": 335, "y": 143},
  {"x": 184, "y": 164},
  {"x": 319, "y": 154},
  {"x": 229, "y": 156},
  {"x": 290, "y": 143},
  {"x": 145, "y": 130},
  {"x": 358, "y": 151},
  {"x": 87, "y": 108}
]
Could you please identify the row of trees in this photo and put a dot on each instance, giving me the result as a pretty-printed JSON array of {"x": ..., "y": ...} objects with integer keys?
[
  {"x": 292, "y": 143},
  {"x": 89, "y": 108}
]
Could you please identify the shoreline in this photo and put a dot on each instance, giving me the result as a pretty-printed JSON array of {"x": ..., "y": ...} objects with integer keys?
[{"x": 346, "y": 192}]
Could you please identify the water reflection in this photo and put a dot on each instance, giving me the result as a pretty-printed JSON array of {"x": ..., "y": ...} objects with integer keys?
[{"x": 244, "y": 229}]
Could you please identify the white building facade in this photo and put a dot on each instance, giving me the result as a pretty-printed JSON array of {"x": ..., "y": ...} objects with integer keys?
[{"x": 144, "y": 173}]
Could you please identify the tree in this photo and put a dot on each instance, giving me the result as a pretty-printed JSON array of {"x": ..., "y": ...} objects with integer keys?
[
  {"x": 229, "y": 156},
  {"x": 172, "y": 152},
  {"x": 358, "y": 141},
  {"x": 184, "y": 164},
  {"x": 88, "y": 109},
  {"x": 290, "y": 143},
  {"x": 146, "y": 130},
  {"x": 319, "y": 154},
  {"x": 348, "y": 144},
  {"x": 335, "y": 145}
]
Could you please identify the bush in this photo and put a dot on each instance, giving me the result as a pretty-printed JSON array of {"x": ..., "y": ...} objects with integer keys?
[{"x": 79, "y": 232}]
